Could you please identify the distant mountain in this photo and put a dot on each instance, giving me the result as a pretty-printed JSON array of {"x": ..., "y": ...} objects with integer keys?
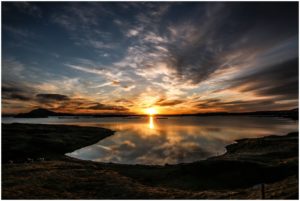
[
  {"x": 44, "y": 113},
  {"x": 292, "y": 114},
  {"x": 38, "y": 113}
]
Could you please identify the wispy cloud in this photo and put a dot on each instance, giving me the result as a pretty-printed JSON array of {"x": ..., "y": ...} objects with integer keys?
[
  {"x": 18, "y": 31},
  {"x": 178, "y": 56},
  {"x": 29, "y": 8},
  {"x": 87, "y": 70},
  {"x": 12, "y": 69}
]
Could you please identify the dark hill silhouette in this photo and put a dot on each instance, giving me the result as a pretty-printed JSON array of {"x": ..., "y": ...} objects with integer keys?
[
  {"x": 293, "y": 113},
  {"x": 44, "y": 113},
  {"x": 38, "y": 113}
]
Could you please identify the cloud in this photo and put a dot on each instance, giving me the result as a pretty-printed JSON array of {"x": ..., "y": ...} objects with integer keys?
[
  {"x": 77, "y": 15},
  {"x": 82, "y": 22},
  {"x": 132, "y": 32},
  {"x": 51, "y": 97},
  {"x": 16, "y": 97},
  {"x": 200, "y": 47},
  {"x": 89, "y": 66},
  {"x": 29, "y": 8},
  {"x": 123, "y": 100},
  {"x": 99, "y": 106},
  {"x": 51, "y": 101},
  {"x": 65, "y": 21},
  {"x": 154, "y": 38},
  {"x": 280, "y": 80},
  {"x": 13, "y": 92},
  {"x": 87, "y": 69},
  {"x": 10, "y": 89},
  {"x": 244, "y": 105},
  {"x": 18, "y": 31},
  {"x": 114, "y": 75},
  {"x": 12, "y": 69},
  {"x": 19, "y": 97},
  {"x": 164, "y": 102},
  {"x": 144, "y": 51},
  {"x": 95, "y": 43},
  {"x": 65, "y": 103}
]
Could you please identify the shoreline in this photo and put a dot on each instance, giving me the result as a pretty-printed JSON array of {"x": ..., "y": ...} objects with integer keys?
[
  {"x": 46, "y": 140},
  {"x": 270, "y": 160}
]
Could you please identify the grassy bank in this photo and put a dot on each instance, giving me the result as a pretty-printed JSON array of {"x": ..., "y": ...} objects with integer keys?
[
  {"x": 22, "y": 141},
  {"x": 271, "y": 160}
]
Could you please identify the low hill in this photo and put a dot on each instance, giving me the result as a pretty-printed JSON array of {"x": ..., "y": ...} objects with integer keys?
[
  {"x": 44, "y": 113},
  {"x": 38, "y": 113}
]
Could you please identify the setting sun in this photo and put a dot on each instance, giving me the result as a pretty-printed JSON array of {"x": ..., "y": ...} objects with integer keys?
[
  {"x": 151, "y": 111},
  {"x": 144, "y": 100}
]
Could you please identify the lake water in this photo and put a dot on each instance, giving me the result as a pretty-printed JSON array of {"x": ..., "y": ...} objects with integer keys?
[{"x": 173, "y": 140}]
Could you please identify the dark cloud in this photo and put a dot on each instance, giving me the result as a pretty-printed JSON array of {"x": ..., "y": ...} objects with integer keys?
[
  {"x": 128, "y": 103},
  {"x": 99, "y": 106},
  {"x": 55, "y": 101},
  {"x": 20, "y": 97},
  {"x": 24, "y": 7},
  {"x": 244, "y": 105},
  {"x": 15, "y": 96},
  {"x": 29, "y": 8},
  {"x": 190, "y": 65},
  {"x": 279, "y": 80},
  {"x": 12, "y": 93},
  {"x": 208, "y": 103},
  {"x": 208, "y": 43},
  {"x": 165, "y": 102},
  {"x": 123, "y": 100},
  {"x": 44, "y": 98},
  {"x": 77, "y": 104},
  {"x": 167, "y": 48},
  {"x": 10, "y": 89}
]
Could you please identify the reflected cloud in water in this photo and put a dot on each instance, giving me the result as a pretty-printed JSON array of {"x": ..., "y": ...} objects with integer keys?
[
  {"x": 156, "y": 141},
  {"x": 178, "y": 140}
]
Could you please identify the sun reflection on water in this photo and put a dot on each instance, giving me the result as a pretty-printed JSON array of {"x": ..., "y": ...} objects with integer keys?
[
  {"x": 151, "y": 122},
  {"x": 153, "y": 140}
]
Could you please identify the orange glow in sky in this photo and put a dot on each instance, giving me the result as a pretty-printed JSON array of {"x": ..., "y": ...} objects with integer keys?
[
  {"x": 151, "y": 111},
  {"x": 132, "y": 65}
]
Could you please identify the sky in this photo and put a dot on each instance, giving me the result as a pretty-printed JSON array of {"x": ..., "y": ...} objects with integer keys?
[{"x": 125, "y": 57}]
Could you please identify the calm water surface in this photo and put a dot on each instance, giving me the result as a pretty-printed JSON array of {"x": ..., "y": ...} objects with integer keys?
[{"x": 173, "y": 140}]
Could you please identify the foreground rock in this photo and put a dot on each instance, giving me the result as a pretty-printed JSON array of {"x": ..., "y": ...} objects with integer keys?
[{"x": 235, "y": 175}]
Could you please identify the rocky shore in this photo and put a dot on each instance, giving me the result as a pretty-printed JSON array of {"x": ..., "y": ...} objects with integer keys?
[{"x": 34, "y": 167}]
